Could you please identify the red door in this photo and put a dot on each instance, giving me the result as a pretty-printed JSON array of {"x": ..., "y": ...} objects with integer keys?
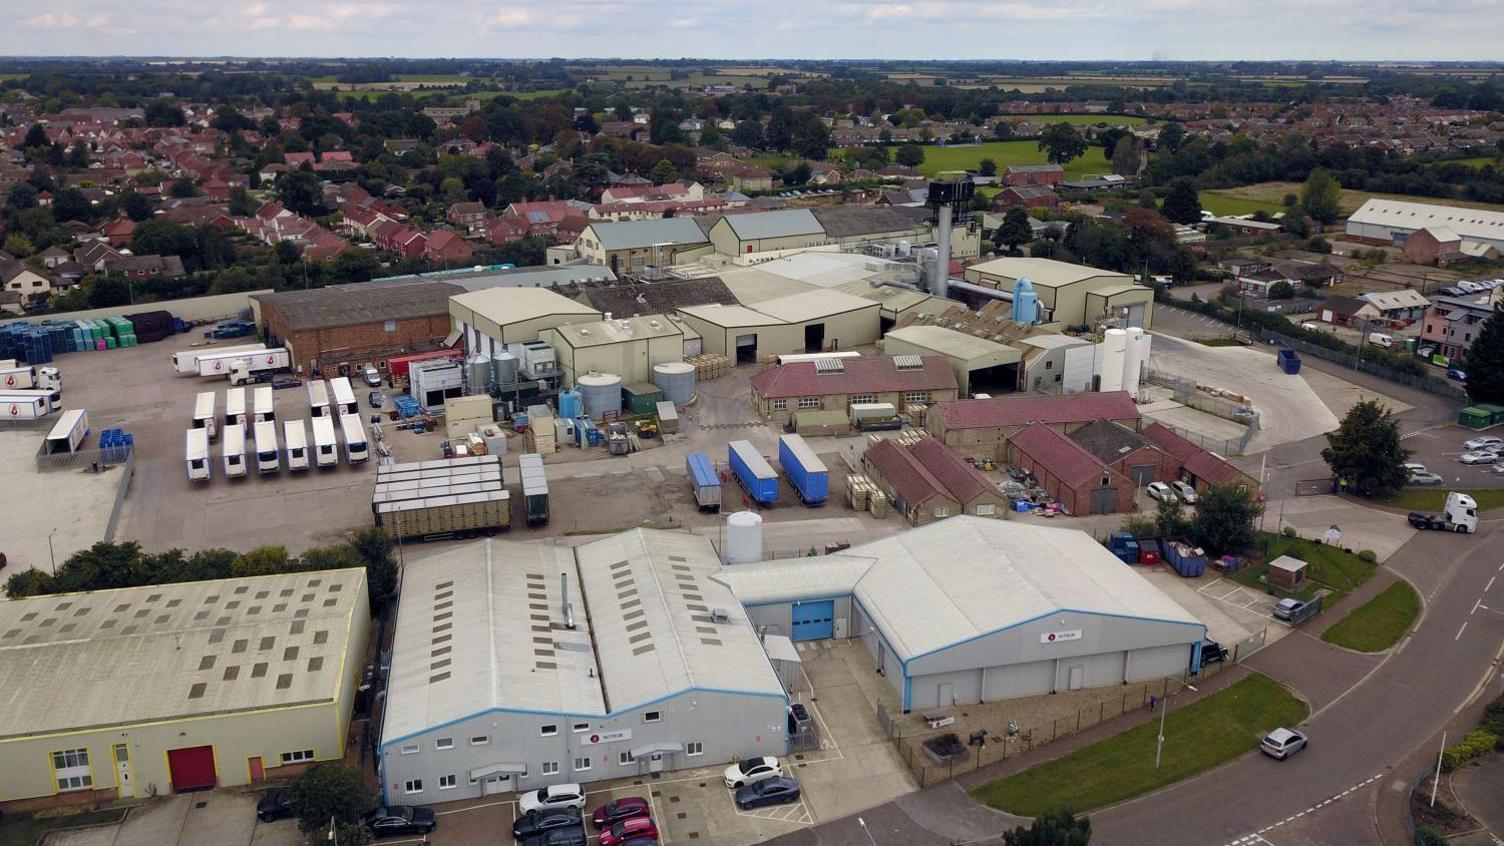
[
  {"x": 255, "y": 768},
  {"x": 191, "y": 768}
]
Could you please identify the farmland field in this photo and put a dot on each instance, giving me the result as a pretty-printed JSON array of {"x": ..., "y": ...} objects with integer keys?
[
  {"x": 1222, "y": 205},
  {"x": 966, "y": 157},
  {"x": 1274, "y": 192}
]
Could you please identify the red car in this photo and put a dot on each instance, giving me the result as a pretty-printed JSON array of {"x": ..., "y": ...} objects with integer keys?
[
  {"x": 633, "y": 828},
  {"x": 622, "y": 809}
]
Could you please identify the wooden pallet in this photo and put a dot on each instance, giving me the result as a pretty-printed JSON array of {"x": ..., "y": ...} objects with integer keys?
[{"x": 709, "y": 366}]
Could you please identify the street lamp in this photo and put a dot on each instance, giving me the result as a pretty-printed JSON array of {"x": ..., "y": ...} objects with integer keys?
[
  {"x": 863, "y": 823},
  {"x": 1160, "y": 745},
  {"x": 50, "y": 557}
]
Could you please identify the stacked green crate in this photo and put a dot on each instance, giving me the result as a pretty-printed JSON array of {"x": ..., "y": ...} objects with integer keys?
[{"x": 123, "y": 331}]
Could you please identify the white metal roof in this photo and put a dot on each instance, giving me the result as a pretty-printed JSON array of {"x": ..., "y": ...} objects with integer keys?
[
  {"x": 795, "y": 579},
  {"x": 963, "y": 577},
  {"x": 616, "y": 330},
  {"x": 482, "y": 626},
  {"x": 652, "y": 602},
  {"x": 827, "y": 270},
  {"x": 1467, "y": 223},
  {"x": 956, "y": 345},
  {"x": 813, "y": 305},
  {"x": 507, "y": 306},
  {"x": 731, "y": 317},
  {"x": 111, "y": 658},
  {"x": 1404, "y": 298},
  {"x": 1044, "y": 273},
  {"x": 782, "y": 223}
]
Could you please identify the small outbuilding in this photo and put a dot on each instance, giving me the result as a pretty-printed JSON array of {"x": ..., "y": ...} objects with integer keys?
[{"x": 1287, "y": 573}]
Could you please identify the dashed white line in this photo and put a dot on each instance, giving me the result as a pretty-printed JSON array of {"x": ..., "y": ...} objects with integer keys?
[
  {"x": 1258, "y": 836},
  {"x": 1460, "y": 631},
  {"x": 1475, "y": 607},
  {"x": 1490, "y": 585}
]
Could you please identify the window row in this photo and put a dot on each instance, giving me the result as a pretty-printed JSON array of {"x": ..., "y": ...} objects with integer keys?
[{"x": 581, "y": 764}]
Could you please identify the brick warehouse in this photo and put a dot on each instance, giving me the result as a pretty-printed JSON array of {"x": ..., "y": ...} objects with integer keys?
[{"x": 340, "y": 327}]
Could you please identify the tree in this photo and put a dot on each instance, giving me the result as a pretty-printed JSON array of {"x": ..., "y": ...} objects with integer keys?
[
  {"x": 987, "y": 167},
  {"x": 1365, "y": 451},
  {"x": 810, "y": 137},
  {"x": 1172, "y": 136},
  {"x": 1053, "y": 828},
  {"x": 374, "y": 547},
  {"x": 1062, "y": 143},
  {"x": 302, "y": 192},
  {"x": 19, "y": 245},
  {"x": 1127, "y": 155},
  {"x": 355, "y": 265},
  {"x": 1295, "y": 221},
  {"x": 1015, "y": 230},
  {"x": 1169, "y": 518},
  {"x": 1321, "y": 196},
  {"x": 241, "y": 204},
  {"x": 909, "y": 155},
  {"x": 1182, "y": 203},
  {"x": 328, "y": 791},
  {"x": 798, "y": 175},
  {"x": 663, "y": 172},
  {"x": 23, "y": 196},
  {"x": 1002, "y": 130},
  {"x": 163, "y": 113},
  {"x": 35, "y": 137},
  {"x": 72, "y": 204},
  {"x": 779, "y": 133},
  {"x": 1485, "y": 361},
  {"x": 1282, "y": 290},
  {"x": 748, "y": 133},
  {"x": 109, "y": 291},
  {"x": 1224, "y": 519},
  {"x": 135, "y": 206}
]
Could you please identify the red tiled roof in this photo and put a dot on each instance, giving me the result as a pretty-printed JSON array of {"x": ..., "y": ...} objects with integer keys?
[
  {"x": 1061, "y": 456},
  {"x": 963, "y": 481},
  {"x": 1016, "y": 411},
  {"x": 1166, "y": 439},
  {"x": 1203, "y": 464},
  {"x": 907, "y": 475},
  {"x": 861, "y": 375}
]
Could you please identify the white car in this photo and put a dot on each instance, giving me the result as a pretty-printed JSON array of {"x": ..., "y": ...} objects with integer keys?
[
  {"x": 752, "y": 770},
  {"x": 1485, "y": 442},
  {"x": 1161, "y": 492},
  {"x": 1480, "y": 457},
  {"x": 1435, "y": 479},
  {"x": 1185, "y": 491},
  {"x": 549, "y": 798},
  {"x": 1413, "y": 468}
]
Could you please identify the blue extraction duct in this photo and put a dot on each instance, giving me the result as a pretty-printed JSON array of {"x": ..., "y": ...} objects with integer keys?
[{"x": 1025, "y": 302}]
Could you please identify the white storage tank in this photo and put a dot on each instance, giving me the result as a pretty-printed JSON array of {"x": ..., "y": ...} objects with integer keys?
[
  {"x": 600, "y": 392},
  {"x": 1110, "y": 365},
  {"x": 1136, "y": 356},
  {"x": 743, "y": 537},
  {"x": 677, "y": 379}
]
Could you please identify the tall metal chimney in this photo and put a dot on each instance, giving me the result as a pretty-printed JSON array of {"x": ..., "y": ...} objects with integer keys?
[{"x": 940, "y": 273}]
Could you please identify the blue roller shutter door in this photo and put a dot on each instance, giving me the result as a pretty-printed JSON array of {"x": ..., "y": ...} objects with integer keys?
[{"x": 814, "y": 620}]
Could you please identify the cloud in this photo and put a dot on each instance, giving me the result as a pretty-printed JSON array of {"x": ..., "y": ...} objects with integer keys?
[{"x": 67, "y": 19}]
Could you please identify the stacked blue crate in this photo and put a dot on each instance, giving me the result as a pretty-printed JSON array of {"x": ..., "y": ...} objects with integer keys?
[{"x": 115, "y": 445}]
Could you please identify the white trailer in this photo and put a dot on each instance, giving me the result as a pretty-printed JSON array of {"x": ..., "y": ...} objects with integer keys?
[
  {"x": 221, "y": 363},
  {"x": 318, "y": 397},
  {"x": 16, "y": 407},
  {"x": 344, "y": 396},
  {"x": 295, "y": 441},
  {"x": 23, "y": 377},
  {"x": 68, "y": 433},
  {"x": 257, "y": 366},
  {"x": 325, "y": 445},
  {"x": 203, "y": 414},
  {"x": 51, "y": 400},
  {"x": 268, "y": 457},
  {"x": 263, "y": 406},
  {"x": 186, "y": 361},
  {"x": 197, "y": 455},
  {"x": 356, "y": 448},
  {"x": 232, "y": 449},
  {"x": 235, "y": 407}
]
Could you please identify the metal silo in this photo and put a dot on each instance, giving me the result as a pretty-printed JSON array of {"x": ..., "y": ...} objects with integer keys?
[
  {"x": 601, "y": 393},
  {"x": 677, "y": 380}
]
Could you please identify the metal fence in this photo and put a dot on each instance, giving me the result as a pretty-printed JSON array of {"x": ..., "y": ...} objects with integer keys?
[
  {"x": 1429, "y": 384},
  {"x": 1185, "y": 393},
  {"x": 47, "y": 462},
  {"x": 122, "y": 485}
]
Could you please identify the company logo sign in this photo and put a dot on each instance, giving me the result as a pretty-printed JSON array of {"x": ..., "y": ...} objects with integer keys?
[
  {"x": 1060, "y": 636},
  {"x": 600, "y": 737}
]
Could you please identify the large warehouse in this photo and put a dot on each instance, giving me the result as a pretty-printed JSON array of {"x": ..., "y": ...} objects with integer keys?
[
  {"x": 490, "y": 319},
  {"x": 971, "y": 609},
  {"x": 339, "y": 327},
  {"x": 1392, "y": 221},
  {"x": 812, "y": 321},
  {"x": 126, "y": 693},
  {"x": 1072, "y": 294},
  {"x": 625, "y": 346},
  {"x": 517, "y": 665}
]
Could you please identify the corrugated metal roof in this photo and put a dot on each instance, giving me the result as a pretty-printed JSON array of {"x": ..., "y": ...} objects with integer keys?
[
  {"x": 806, "y": 578},
  {"x": 641, "y": 234},
  {"x": 863, "y": 375},
  {"x": 510, "y": 306},
  {"x": 814, "y": 305},
  {"x": 783, "y": 223},
  {"x": 1401, "y": 215},
  {"x": 332, "y": 307},
  {"x": 1044, "y": 273}
]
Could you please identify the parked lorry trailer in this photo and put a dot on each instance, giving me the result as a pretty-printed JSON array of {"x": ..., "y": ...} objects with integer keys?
[
  {"x": 203, "y": 414},
  {"x": 1459, "y": 514},
  {"x": 196, "y": 455},
  {"x": 342, "y": 396},
  {"x": 232, "y": 451},
  {"x": 318, "y": 398},
  {"x": 325, "y": 444},
  {"x": 185, "y": 362},
  {"x": 704, "y": 482},
  {"x": 753, "y": 472},
  {"x": 242, "y": 367},
  {"x": 268, "y": 456},
  {"x": 807, "y": 473},
  {"x": 433, "y": 499},
  {"x": 21, "y": 377},
  {"x": 875, "y": 416},
  {"x": 534, "y": 488},
  {"x": 22, "y": 407},
  {"x": 295, "y": 442},
  {"x": 68, "y": 432}
]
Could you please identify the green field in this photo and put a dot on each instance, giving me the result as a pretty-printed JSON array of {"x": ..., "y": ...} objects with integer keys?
[
  {"x": 1378, "y": 623},
  {"x": 967, "y": 156},
  {"x": 1477, "y": 161},
  {"x": 1330, "y": 567},
  {"x": 1432, "y": 499},
  {"x": 1084, "y": 120},
  {"x": 1198, "y": 737},
  {"x": 1274, "y": 192},
  {"x": 1223, "y": 205}
]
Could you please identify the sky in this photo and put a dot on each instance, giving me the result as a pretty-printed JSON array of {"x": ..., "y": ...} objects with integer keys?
[{"x": 744, "y": 29}]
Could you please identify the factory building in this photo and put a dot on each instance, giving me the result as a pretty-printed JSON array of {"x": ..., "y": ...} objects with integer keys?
[
  {"x": 765, "y": 232},
  {"x": 151, "y": 690},
  {"x": 1069, "y": 472},
  {"x": 981, "y": 365},
  {"x": 490, "y": 319},
  {"x": 632, "y": 246},
  {"x": 980, "y": 428},
  {"x": 834, "y": 384},
  {"x": 1393, "y": 222},
  {"x": 627, "y": 347},
  {"x": 1071, "y": 294},
  {"x": 970, "y": 609},
  {"x": 339, "y": 327},
  {"x": 518, "y": 665},
  {"x": 812, "y": 321},
  {"x": 928, "y": 481}
]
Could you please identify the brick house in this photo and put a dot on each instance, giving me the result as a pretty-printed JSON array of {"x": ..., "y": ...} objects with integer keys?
[
  {"x": 1028, "y": 196},
  {"x": 119, "y": 231},
  {"x": 1042, "y": 174},
  {"x": 327, "y": 329},
  {"x": 27, "y": 283},
  {"x": 1201, "y": 468},
  {"x": 447, "y": 246},
  {"x": 1069, "y": 473},
  {"x": 145, "y": 267},
  {"x": 786, "y": 388},
  {"x": 1452, "y": 323},
  {"x": 980, "y": 428},
  {"x": 1442, "y": 245},
  {"x": 928, "y": 481},
  {"x": 472, "y": 216}
]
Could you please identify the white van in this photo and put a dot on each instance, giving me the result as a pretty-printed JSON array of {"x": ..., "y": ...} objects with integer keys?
[
  {"x": 196, "y": 455},
  {"x": 1379, "y": 339},
  {"x": 233, "y": 451},
  {"x": 268, "y": 458},
  {"x": 325, "y": 445},
  {"x": 295, "y": 439},
  {"x": 356, "y": 448},
  {"x": 264, "y": 404},
  {"x": 235, "y": 407}
]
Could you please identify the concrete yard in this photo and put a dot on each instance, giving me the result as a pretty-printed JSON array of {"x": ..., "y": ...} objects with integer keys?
[
  {"x": 219, "y": 816},
  {"x": 72, "y": 506}
]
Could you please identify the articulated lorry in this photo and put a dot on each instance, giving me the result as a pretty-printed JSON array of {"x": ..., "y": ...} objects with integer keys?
[
  {"x": 185, "y": 362},
  {"x": 1460, "y": 514},
  {"x": 753, "y": 472},
  {"x": 22, "y": 377},
  {"x": 807, "y": 473},
  {"x": 703, "y": 478}
]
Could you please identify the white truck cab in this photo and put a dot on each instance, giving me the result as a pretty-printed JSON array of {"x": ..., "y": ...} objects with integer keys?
[{"x": 1461, "y": 513}]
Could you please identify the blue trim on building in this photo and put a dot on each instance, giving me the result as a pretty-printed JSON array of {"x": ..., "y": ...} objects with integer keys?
[
  {"x": 1196, "y": 658},
  {"x": 1039, "y": 617},
  {"x": 799, "y": 599}
]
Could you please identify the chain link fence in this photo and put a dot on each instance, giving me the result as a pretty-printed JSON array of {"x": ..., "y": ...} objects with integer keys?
[
  {"x": 1185, "y": 392},
  {"x": 127, "y": 472},
  {"x": 1430, "y": 384}
]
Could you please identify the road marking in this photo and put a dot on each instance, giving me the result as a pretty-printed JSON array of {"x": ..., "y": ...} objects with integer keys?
[
  {"x": 1490, "y": 585},
  {"x": 1475, "y": 607},
  {"x": 1258, "y": 836},
  {"x": 1460, "y": 631}
]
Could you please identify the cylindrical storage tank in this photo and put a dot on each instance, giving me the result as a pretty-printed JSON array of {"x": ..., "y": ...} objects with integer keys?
[
  {"x": 1110, "y": 361},
  {"x": 600, "y": 393},
  {"x": 569, "y": 404},
  {"x": 1133, "y": 359},
  {"x": 478, "y": 372},
  {"x": 677, "y": 380},
  {"x": 743, "y": 537},
  {"x": 504, "y": 368}
]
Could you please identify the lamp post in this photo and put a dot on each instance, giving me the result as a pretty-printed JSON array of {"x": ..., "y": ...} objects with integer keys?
[
  {"x": 863, "y": 823},
  {"x": 50, "y": 556},
  {"x": 1160, "y": 745}
]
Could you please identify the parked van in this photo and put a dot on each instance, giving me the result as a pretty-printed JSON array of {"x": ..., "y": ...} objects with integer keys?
[
  {"x": 233, "y": 451},
  {"x": 268, "y": 458},
  {"x": 263, "y": 406},
  {"x": 295, "y": 438},
  {"x": 356, "y": 448},
  {"x": 325, "y": 445},
  {"x": 203, "y": 414},
  {"x": 197, "y": 455},
  {"x": 1379, "y": 339},
  {"x": 235, "y": 408}
]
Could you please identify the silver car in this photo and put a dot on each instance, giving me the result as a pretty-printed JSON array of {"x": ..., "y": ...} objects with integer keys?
[{"x": 1282, "y": 743}]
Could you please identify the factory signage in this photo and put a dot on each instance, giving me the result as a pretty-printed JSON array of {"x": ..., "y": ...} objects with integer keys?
[
  {"x": 1060, "y": 636},
  {"x": 605, "y": 737}
]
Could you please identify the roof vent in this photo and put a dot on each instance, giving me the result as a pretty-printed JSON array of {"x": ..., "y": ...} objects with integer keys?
[
  {"x": 908, "y": 362},
  {"x": 830, "y": 365},
  {"x": 720, "y": 615}
]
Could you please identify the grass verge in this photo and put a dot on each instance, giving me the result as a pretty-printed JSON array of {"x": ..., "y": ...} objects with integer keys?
[
  {"x": 26, "y": 829},
  {"x": 1432, "y": 499},
  {"x": 1224, "y": 205},
  {"x": 1380, "y": 622},
  {"x": 1198, "y": 737},
  {"x": 1330, "y": 567}
]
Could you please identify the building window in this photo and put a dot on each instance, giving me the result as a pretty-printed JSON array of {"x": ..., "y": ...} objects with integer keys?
[
  {"x": 864, "y": 398},
  {"x": 582, "y": 764},
  {"x": 390, "y": 326},
  {"x": 297, "y": 757},
  {"x": 624, "y": 758},
  {"x": 444, "y": 743},
  {"x": 780, "y": 404},
  {"x": 548, "y": 731},
  {"x": 986, "y": 510},
  {"x": 413, "y": 786},
  {"x": 1049, "y": 365},
  {"x": 942, "y": 511},
  {"x": 917, "y": 396},
  {"x": 694, "y": 747},
  {"x": 652, "y": 716},
  {"x": 809, "y": 402},
  {"x": 410, "y": 750},
  {"x": 446, "y": 782},
  {"x": 71, "y": 768},
  {"x": 550, "y": 768},
  {"x": 580, "y": 727},
  {"x": 480, "y": 740}
]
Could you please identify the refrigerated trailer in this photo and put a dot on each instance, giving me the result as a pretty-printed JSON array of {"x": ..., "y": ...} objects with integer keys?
[
  {"x": 51, "y": 401},
  {"x": 356, "y": 447},
  {"x": 268, "y": 457},
  {"x": 318, "y": 397},
  {"x": 343, "y": 396},
  {"x": 240, "y": 366},
  {"x": 203, "y": 414},
  {"x": 186, "y": 361},
  {"x": 232, "y": 451},
  {"x": 753, "y": 472},
  {"x": 807, "y": 473},
  {"x": 534, "y": 488},
  {"x": 263, "y": 408},
  {"x": 235, "y": 407},
  {"x": 325, "y": 444},
  {"x": 68, "y": 433},
  {"x": 14, "y": 377},
  {"x": 15, "y": 407},
  {"x": 455, "y": 515},
  {"x": 197, "y": 454},
  {"x": 295, "y": 440}
]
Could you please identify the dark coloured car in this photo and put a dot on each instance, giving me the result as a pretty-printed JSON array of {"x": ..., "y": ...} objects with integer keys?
[
  {"x": 280, "y": 382},
  {"x": 275, "y": 805},
  {"x": 1212, "y": 652},
  {"x": 400, "y": 819},
  {"x": 773, "y": 791},
  {"x": 537, "y": 822},
  {"x": 624, "y": 808},
  {"x": 572, "y": 836},
  {"x": 376, "y": 399},
  {"x": 1456, "y": 375}
]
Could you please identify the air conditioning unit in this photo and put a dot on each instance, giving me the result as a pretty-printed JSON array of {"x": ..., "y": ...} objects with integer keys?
[{"x": 720, "y": 615}]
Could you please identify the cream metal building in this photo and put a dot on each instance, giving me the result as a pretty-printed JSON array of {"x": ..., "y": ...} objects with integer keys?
[
  {"x": 1072, "y": 294},
  {"x": 130, "y": 692},
  {"x": 628, "y": 347},
  {"x": 763, "y": 232},
  {"x": 631, "y": 246},
  {"x": 988, "y": 364},
  {"x": 811, "y": 321},
  {"x": 490, "y": 319}
]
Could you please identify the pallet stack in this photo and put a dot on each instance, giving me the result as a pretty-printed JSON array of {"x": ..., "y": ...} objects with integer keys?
[
  {"x": 909, "y": 437},
  {"x": 709, "y": 366},
  {"x": 877, "y": 503},
  {"x": 859, "y": 490}
]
